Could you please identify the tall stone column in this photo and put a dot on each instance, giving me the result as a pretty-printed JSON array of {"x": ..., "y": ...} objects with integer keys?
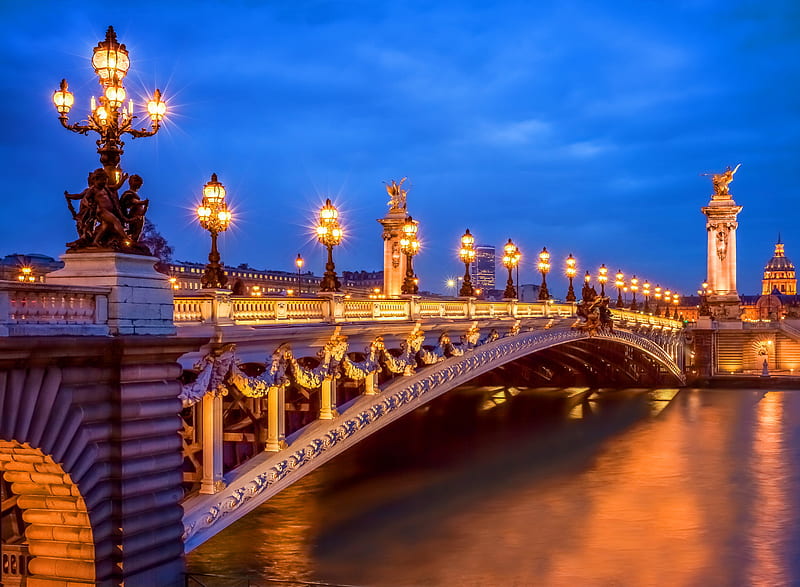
[
  {"x": 394, "y": 262},
  {"x": 721, "y": 225}
]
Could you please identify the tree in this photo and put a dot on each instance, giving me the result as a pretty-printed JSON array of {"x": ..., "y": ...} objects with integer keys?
[{"x": 158, "y": 246}]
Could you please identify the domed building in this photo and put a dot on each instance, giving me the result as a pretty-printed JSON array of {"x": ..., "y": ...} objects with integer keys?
[{"x": 779, "y": 274}]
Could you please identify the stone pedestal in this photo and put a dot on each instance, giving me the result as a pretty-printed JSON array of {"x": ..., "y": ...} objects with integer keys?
[
  {"x": 140, "y": 301},
  {"x": 333, "y": 311},
  {"x": 725, "y": 307}
]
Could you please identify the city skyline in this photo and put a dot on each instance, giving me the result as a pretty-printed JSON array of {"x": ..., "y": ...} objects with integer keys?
[{"x": 570, "y": 126}]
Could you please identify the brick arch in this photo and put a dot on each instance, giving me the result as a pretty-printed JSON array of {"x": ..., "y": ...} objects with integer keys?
[{"x": 57, "y": 527}]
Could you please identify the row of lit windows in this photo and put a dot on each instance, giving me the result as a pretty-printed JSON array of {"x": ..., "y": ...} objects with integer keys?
[{"x": 779, "y": 275}]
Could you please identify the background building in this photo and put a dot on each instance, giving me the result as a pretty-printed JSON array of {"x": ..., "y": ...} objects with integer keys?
[
  {"x": 245, "y": 280},
  {"x": 30, "y": 268},
  {"x": 482, "y": 270},
  {"x": 779, "y": 273}
]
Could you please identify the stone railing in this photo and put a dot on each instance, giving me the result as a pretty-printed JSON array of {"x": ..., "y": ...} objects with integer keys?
[
  {"x": 47, "y": 310},
  {"x": 221, "y": 307}
]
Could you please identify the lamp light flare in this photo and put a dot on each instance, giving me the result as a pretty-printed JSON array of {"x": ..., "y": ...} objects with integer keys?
[{"x": 108, "y": 116}]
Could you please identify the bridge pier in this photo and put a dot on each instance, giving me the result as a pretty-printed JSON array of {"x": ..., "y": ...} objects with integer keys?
[{"x": 93, "y": 423}]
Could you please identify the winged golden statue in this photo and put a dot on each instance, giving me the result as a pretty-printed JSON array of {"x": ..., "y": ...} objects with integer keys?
[
  {"x": 721, "y": 181},
  {"x": 397, "y": 195}
]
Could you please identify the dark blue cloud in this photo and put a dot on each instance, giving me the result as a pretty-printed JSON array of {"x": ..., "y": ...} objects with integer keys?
[{"x": 581, "y": 126}]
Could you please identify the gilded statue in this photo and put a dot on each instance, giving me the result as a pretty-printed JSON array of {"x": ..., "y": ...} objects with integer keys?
[
  {"x": 721, "y": 181},
  {"x": 397, "y": 195}
]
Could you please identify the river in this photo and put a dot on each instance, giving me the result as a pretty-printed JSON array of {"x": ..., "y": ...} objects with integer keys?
[{"x": 487, "y": 486}]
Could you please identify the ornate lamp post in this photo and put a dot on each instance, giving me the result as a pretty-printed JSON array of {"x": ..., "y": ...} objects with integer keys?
[
  {"x": 329, "y": 234},
  {"x": 704, "y": 310},
  {"x": 676, "y": 299},
  {"x": 602, "y": 277},
  {"x": 586, "y": 292},
  {"x": 657, "y": 295},
  {"x": 109, "y": 116},
  {"x": 299, "y": 262},
  {"x": 646, "y": 294},
  {"x": 571, "y": 271},
  {"x": 26, "y": 274},
  {"x": 409, "y": 246},
  {"x": 467, "y": 256},
  {"x": 620, "y": 283},
  {"x": 215, "y": 217},
  {"x": 634, "y": 289},
  {"x": 667, "y": 300},
  {"x": 510, "y": 259},
  {"x": 544, "y": 268}
]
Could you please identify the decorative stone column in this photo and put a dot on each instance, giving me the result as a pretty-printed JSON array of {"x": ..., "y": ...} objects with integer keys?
[
  {"x": 212, "y": 481},
  {"x": 394, "y": 262},
  {"x": 721, "y": 225},
  {"x": 276, "y": 418}
]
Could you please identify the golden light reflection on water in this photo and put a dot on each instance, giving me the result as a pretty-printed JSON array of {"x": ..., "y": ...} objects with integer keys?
[
  {"x": 640, "y": 491},
  {"x": 770, "y": 499}
]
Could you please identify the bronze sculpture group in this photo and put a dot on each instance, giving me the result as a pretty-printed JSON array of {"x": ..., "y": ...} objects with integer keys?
[
  {"x": 105, "y": 220},
  {"x": 593, "y": 313}
]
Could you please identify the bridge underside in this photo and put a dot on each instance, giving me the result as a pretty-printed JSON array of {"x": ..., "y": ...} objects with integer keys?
[
  {"x": 536, "y": 358},
  {"x": 592, "y": 362}
]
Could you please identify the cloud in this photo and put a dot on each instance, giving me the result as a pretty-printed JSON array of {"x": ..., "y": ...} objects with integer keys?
[{"x": 515, "y": 133}]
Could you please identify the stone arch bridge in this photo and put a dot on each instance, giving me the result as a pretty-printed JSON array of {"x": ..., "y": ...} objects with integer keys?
[{"x": 119, "y": 454}]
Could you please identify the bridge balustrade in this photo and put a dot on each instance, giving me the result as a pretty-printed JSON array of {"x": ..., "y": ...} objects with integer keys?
[{"x": 41, "y": 309}]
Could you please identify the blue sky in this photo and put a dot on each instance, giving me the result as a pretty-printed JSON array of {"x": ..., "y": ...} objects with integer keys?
[{"x": 580, "y": 126}]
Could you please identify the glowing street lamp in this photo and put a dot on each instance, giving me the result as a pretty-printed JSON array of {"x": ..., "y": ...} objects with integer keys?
[
  {"x": 409, "y": 245},
  {"x": 214, "y": 216},
  {"x": 634, "y": 289},
  {"x": 109, "y": 116},
  {"x": 511, "y": 257},
  {"x": 704, "y": 309},
  {"x": 544, "y": 268},
  {"x": 657, "y": 295},
  {"x": 299, "y": 262},
  {"x": 586, "y": 292},
  {"x": 646, "y": 294},
  {"x": 26, "y": 274},
  {"x": 329, "y": 234},
  {"x": 620, "y": 283},
  {"x": 467, "y": 256},
  {"x": 602, "y": 277},
  {"x": 571, "y": 271},
  {"x": 676, "y": 299}
]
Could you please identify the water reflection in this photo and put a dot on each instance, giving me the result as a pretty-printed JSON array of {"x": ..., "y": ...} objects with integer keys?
[{"x": 494, "y": 486}]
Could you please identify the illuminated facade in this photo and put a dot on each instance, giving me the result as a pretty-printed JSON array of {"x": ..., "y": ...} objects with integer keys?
[
  {"x": 244, "y": 280},
  {"x": 29, "y": 268},
  {"x": 779, "y": 273},
  {"x": 483, "y": 269}
]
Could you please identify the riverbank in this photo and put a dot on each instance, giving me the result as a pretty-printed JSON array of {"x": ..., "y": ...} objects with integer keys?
[{"x": 741, "y": 380}]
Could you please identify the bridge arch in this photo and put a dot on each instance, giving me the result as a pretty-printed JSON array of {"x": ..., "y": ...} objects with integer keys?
[
  {"x": 268, "y": 473},
  {"x": 57, "y": 529}
]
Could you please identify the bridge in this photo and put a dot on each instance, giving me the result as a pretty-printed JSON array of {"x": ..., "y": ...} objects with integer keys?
[{"x": 122, "y": 452}]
